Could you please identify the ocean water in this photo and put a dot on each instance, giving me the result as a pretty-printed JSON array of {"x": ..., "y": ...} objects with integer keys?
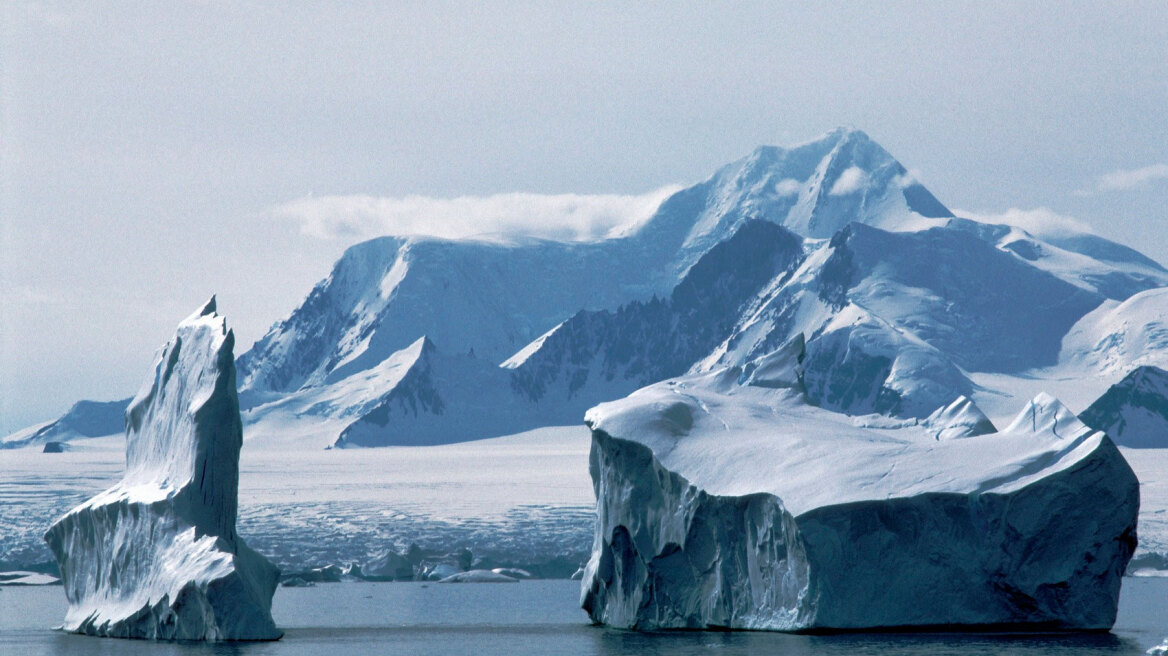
[{"x": 538, "y": 618}]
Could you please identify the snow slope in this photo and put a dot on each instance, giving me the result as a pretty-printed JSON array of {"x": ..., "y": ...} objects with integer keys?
[
  {"x": 157, "y": 556},
  {"x": 84, "y": 420},
  {"x": 522, "y": 500},
  {"x": 596, "y": 356},
  {"x": 722, "y": 505},
  {"x": 423, "y": 395},
  {"x": 1120, "y": 336}
]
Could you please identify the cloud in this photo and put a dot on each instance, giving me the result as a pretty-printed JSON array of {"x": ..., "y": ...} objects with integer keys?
[
  {"x": 1041, "y": 221},
  {"x": 564, "y": 217},
  {"x": 1127, "y": 179},
  {"x": 907, "y": 179},
  {"x": 850, "y": 181},
  {"x": 787, "y": 187}
]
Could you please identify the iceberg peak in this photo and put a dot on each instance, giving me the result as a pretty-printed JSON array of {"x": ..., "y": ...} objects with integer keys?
[
  {"x": 1046, "y": 414},
  {"x": 961, "y": 418},
  {"x": 209, "y": 308}
]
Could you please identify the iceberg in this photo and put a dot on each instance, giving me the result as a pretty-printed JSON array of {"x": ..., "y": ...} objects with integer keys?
[
  {"x": 961, "y": 418},
  {"x": 157, "y": 556},
  {"x": 724, "y": 505},
  {"x": 479, "y": 576}
]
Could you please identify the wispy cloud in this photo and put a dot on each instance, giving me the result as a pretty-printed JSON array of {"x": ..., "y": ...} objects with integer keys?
[
  {"x": 1040, "y": 221},
  {"x": 1126, "y": 179},
  {"x": 907, "y": 179},
  {"x": 565, "y": 217},
  {"x": 787, "y": 187},
  {"x": 850, "y": 181}
]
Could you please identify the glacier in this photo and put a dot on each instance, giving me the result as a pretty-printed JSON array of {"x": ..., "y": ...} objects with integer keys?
[
  {"x": 730, "y": 505},
  {"x": 157, "y": 556}
]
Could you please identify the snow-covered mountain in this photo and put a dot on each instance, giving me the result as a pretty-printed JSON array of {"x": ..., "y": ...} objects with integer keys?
[
  {"x": 495, "y": 298},
  {"x": 628, "y": 305},
  {"x": 596, "y": 354},
  {"x": 902, "y": 307},
  {"x": 903, "y": 315},
  {"x": 591, "y": 357},
  {"x": 1121, "y": 335},
  {"x": 84, "y": 419}
]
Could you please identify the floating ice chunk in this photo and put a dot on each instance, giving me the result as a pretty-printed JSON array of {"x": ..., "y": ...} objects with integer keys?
[
  {"x": 26, "y": 578},
  {"x": 479, "y": 576}
]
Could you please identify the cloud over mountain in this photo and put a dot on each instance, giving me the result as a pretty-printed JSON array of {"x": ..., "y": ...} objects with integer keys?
[{"x": 564, "y": 217}]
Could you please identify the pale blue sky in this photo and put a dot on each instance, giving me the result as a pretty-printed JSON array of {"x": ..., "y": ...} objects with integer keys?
[{"x": 151, "y": 152}]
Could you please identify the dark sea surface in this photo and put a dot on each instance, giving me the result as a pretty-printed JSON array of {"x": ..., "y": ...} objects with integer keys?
[{"x": 538, "y": 617}]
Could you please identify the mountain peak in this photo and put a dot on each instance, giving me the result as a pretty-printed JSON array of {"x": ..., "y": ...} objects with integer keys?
[
  {"x": 813, "y": 189},
  {"x": 209, "y": 308}
]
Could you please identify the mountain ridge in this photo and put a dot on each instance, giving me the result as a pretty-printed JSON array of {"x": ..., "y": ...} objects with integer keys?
[{"x": 899, "y": 301}]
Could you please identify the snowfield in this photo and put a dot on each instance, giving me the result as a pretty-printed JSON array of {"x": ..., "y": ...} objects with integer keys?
[
  {"x": 307, "y": 507},
  {"x": 521, "y": 499}
]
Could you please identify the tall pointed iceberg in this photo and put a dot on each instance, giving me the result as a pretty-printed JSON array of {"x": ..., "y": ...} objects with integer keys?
[{"x": 157, "y": 555}]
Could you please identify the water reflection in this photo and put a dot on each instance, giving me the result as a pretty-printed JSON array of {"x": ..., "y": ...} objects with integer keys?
[
  {"x": 541, "y": 618},
  {"x": 606, "y": 641},
  {"x": 583, "y": 639}
]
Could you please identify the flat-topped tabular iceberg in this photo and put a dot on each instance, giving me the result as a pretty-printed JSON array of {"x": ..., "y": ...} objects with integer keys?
[
  {"x": 157, "y": 555},
  {"x": 741, "y": 506}
]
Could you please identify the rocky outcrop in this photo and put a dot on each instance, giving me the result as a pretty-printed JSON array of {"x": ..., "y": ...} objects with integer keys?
[{"x": 1134, "y": 411}]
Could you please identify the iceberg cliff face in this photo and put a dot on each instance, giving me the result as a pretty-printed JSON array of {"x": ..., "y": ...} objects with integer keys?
[
  {"x": 722, "y": 505},
  {"x": 157, "y": 556}
]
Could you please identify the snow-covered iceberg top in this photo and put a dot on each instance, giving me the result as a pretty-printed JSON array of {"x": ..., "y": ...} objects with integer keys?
[
  {"x": 157, "y": 555},
  {"x": 728, "y": 505},
  {"x": 734, "y": 440}
]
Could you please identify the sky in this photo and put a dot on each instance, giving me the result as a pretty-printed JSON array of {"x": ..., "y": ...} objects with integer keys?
[{"x": 152, "y": 154}]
